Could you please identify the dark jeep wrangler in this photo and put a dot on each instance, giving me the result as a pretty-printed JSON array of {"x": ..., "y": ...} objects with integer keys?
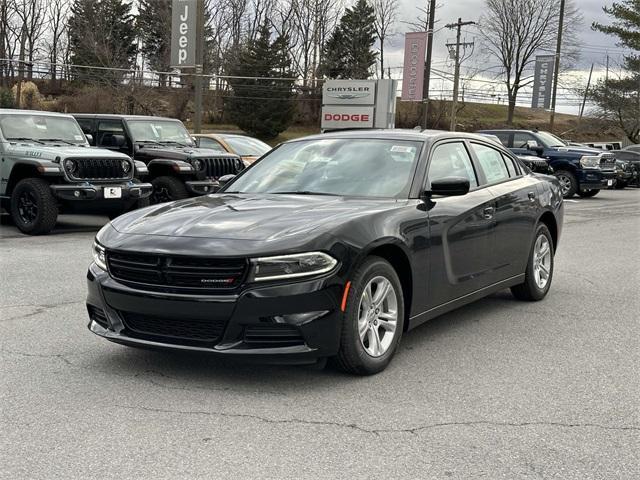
[
  {"x": 47, "y": 167},
  {"x": 177, "y": 168}
]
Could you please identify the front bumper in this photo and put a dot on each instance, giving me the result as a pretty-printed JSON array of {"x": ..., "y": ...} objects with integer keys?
[
  {"x": 597, "y": 180},
  {"x": 88, "y": 191},
  {"x": 202, "y": 187},
  {"x": 311, "y": 308}
]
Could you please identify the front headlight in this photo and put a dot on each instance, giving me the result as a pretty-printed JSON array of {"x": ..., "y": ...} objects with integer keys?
[
  {"x": 291, "y": 266},
  {"x": 70, "y": 166},
  {"x": 590, "y": 161},
  {"x": 99, "y": 256},
  {"x": 197, "y": 164},
  {"x": 126, "y": 166}
]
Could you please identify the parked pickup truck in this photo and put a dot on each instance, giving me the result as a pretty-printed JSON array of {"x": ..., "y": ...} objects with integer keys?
[
  {"x": 47, "y": 167},
  {"x": 581, "y": 170},
  {"x": 177, "y": 168}
]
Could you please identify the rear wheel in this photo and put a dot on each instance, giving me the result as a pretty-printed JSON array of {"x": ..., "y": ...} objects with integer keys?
[
  {"x": 34, "y": 209},
  {"x": 168, "y": 189},
  {"x": 588, "y": 193},
  {"x": 568, "y": 183},
  {"x": 373, "y": 320},
  {"x": 539, "y": 273}
]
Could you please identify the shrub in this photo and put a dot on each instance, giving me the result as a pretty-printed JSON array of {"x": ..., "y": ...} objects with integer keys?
[
  {"x": 30, "y": 97},
  {"x": 6, "y": 98}
]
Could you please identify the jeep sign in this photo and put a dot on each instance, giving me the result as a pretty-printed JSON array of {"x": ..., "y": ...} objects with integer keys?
[
  {"x": 183, "y": 33},
  {"x": 347, "y": 117}
]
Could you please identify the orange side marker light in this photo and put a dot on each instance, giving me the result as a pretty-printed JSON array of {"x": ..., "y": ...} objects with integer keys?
[{"x": 343, "y": 305}]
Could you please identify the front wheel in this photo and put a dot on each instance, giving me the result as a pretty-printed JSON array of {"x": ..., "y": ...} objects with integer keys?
[
  {"x": 168, "y": 189},
  {"x": 539, "y": 273},
  {"x": 568, "y": 183},
  {"x": 588, "y": 193},
  {"x": 373, "y": 320},
  {"x": 34, "y": 209}
]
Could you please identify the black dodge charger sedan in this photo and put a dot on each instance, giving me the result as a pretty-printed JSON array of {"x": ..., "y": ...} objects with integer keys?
[{"x": 329, "y": 247}]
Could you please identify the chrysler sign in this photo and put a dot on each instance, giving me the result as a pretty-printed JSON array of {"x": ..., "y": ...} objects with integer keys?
[
  {"x": 183, "y": 33},
  {"x": 349, "y": 92}
]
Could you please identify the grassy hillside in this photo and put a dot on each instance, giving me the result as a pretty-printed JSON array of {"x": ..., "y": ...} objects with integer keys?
[{"x": 477, "y": 116}]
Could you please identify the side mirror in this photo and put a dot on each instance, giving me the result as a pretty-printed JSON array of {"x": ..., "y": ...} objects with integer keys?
[
  {"x": 449, "y": 186},
  {"x": 119, "y": 140},
  {"x": 89, "y": 138},
  {"x": 223, "y": 180},
  {"x": 534, "y": 147}
]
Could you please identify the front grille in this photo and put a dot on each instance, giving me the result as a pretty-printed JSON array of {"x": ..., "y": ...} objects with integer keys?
[
  {"x": 272, "y": 336},
  {"x": 173, "y": 329},
  {"x": 218, "y": 167},
  {"x": 607, "y": 162},
  {"x": 97, "y": 315},
  {"x": 99, "y": 169},
  {"x": 177, "y": 273}
]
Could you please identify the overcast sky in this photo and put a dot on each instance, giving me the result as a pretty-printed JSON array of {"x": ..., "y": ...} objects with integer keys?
[{"x": 594, "y": 45}]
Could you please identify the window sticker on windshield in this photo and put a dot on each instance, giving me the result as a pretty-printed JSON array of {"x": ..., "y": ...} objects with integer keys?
[
  {"x": 401, "y": 149},
  {"x": 78, "y": 137}
]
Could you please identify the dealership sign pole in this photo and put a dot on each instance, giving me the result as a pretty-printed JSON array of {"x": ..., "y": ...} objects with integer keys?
[{"x": 187, "y": 35}]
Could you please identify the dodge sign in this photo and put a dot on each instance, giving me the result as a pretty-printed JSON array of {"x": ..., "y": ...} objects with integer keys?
[{"x": 347, "y": 117}]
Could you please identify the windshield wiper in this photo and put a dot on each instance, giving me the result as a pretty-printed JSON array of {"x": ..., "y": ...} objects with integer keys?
[
  {"x": 303, "y": 192},
  {"x": 173, "y": 142},
  {"x": 25, "y": 139},
  {"x": 57, "y": 140}
]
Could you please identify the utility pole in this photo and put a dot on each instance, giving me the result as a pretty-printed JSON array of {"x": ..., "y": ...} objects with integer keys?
[
  {"x": 197, "y": 82},
  {"x": 427, "y": 64},
  {"x": 586, "y": 92},
  {"x": 456, "y": 75},
  {"x": 556, "y": 67}
]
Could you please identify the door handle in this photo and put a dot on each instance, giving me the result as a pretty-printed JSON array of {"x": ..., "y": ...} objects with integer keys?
[
  {"x": 488, "y": 213},
  {"x": 532, "y": 196}
]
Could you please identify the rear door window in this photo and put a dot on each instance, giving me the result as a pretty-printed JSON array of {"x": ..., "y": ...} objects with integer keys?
[
  {"x": 491, "y": 163},
  {"x": 106, "y": 131},
  {"x": 520, "y": 139}
]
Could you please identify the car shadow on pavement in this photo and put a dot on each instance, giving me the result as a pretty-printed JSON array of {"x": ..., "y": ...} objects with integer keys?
[
  {"x": 66, "y": 224},
  {"x": 186, "y": 370}
]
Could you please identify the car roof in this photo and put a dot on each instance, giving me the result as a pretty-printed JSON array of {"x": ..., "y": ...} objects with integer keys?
[
  {"x": 111, "y": 116},
  {"x": 392, "y": 134},
  {"x": 14, "y": 111},
  {"x": 506, "y": 130}
]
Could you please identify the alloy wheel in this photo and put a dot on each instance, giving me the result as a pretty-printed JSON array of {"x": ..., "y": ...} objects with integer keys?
[
  {"x": 27, "y": 207},
  {"x": 378, "y": 316},
  {"x": 542, "y": 261},
  {"x": 565, "y": 183}
]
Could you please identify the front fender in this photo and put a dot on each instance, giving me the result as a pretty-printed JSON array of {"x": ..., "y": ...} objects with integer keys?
[{"x": 176, "y": 166}]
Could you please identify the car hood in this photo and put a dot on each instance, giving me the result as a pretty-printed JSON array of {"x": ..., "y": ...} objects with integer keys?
[
  {"x": 179, "y": 153},
  {"x": 248, "y": 217},
  {"x": 581, "y": 150},
  {"x": 51, "y": 152}
]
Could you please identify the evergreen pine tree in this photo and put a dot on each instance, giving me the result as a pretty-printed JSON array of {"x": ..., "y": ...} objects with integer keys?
[
  {"x": 348, "y": 53},
  {"x": 102, "y": 33},
  {"x": 154, "y": 27},
  {"x": 263, "y": 108},
  {"x": 619, "y": 98}
]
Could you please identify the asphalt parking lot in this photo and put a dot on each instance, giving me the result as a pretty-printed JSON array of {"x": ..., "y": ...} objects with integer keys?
[{"x": 498, "y": 389}]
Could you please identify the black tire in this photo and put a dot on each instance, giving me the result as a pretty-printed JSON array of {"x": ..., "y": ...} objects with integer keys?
[
  {"x": 529, "y": 290},
  {"x": 568, "y": 183},
  {"x": 620, "y": 185},
  {"x": 168, "y": 189},
  {"x": 588, "y": 193},
  {"x": 34, "y": 209},
  {"x": 352, "y": 356}
]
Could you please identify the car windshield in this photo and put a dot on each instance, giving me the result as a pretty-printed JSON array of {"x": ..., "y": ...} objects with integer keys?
[
  {"x": 551, "y": 140},
  {"x": 349, "y": 167},
  {"x": 159, "y": 131},
  {"x": 41, "y": 128},
  {"x": 246, "y": 146}
]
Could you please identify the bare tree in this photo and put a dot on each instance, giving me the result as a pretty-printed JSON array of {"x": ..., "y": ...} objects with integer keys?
[
  {"x": 31, "y": 15},
  {"x": 386, "y": 15},
  {"x": 57, "y": 16},
  {"x": 515, "y": 31}
]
